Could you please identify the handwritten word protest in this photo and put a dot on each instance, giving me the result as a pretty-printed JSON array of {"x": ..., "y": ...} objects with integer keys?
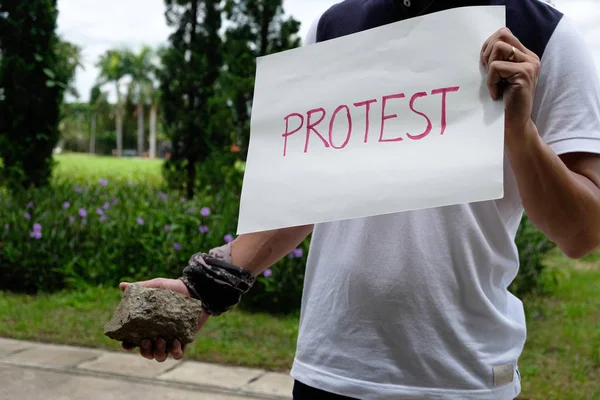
[
  {"x": 389, "y": 120},
  {"x": 313, "y": 122}
]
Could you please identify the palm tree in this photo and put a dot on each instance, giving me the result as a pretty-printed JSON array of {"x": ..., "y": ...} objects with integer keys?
[
  {"x": 141, "y": 88},
  {"x": 114, "y": 66}
]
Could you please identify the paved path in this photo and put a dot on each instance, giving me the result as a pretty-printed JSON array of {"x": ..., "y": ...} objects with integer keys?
[{"x": 34, "y": 371}]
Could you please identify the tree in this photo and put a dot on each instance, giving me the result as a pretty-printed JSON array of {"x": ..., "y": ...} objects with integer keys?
[
  {"x": 114, "y": 66},
  {"x": 98, "y": 105},
  {"x": 154, "y": 104},
  {"x": 191, "y": 68},
  {"x": 259, "y": 28},
  {"x": 35, "y": 70},
  {"x": 141, "y": 89}
]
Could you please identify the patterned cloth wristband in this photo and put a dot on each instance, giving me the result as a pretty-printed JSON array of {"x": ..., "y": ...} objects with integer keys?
[{"x": 215, "y": 281}]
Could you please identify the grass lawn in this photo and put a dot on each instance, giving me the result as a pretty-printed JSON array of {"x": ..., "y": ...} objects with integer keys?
[
  {"x": 85, "y": 168},
  {"x": 561, "y": 359}
]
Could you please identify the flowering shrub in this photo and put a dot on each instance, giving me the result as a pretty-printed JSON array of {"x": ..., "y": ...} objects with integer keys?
[{"x": 72, "y": 235}]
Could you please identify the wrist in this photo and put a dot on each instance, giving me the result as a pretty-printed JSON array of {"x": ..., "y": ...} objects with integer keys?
[
  {"x": 215, "y": 281},
  {"x": 521, "y": 141}
]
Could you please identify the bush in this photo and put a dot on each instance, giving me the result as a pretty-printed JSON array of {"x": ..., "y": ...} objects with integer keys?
[
  {"x": 72, "y": 235},
  {"x": 533, "y": 247}
]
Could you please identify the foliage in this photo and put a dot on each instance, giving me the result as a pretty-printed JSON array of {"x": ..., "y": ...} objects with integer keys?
[
  {"x": 533, "y": 247},
  {"x": 35, "y": 70},
  {"x": 100, "y": 225},
  {"x": 189, "y": 73},
  {"x": 115, "y": 65},
  {"x": 259, "y": 28}
]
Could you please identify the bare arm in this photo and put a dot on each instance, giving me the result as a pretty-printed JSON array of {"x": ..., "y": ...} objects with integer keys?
[
  {"x": 561, "y": 195},
  {"x": 256, "y": 252}
]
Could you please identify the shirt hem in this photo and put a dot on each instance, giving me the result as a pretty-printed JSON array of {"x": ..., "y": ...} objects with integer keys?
[{"x": 354, "y": 388}]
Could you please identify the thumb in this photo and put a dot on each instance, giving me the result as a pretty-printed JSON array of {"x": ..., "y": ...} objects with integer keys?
[{"x": 156, "y": 283}]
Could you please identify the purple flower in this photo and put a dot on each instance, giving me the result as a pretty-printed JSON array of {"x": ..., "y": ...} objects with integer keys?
[
  {"x": 132, "y": 184},
  {"x": 36, "y": 235},
  {"x": 37, "y": 227},
  {"x": 103, "y": 218},
  {"x": 114, "y": 201},
  {"x": 267, "y": 272},
  {"x": 84, "y": 221},
  {"x": 27, "y": 216},
  {"x": 163, "y": 196},
  {"x": 167, "y": 228},
  {"x": 219, "y": 197},
  {"x": 71, "y": 219},
  {"x": 100, "y": 211},
  {"x": 140, "y": 220},
  {"x": 296, "y": 253},
  {"x": 66, "y": 205},
  {"x": 203, "y": 229},
  {"x": 103, "y": 181},
  {"x": 30, "y": 204},
  {"x": 228, "y": 238},
  {"x": 82, "y": 213},
  {"x": 183, "y": 200},
  {"x": 105, "y": 206},
  {"x": 205, "y": 212},
  {"x": 78, "y": 189},
  {"x": 176, "y": 246}
]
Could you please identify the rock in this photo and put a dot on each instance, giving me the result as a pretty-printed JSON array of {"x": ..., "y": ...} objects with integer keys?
[{"x": 145, "y": 313}]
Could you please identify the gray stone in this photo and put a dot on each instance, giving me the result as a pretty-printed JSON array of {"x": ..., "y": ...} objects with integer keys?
[{"x": 145, "y": 313}]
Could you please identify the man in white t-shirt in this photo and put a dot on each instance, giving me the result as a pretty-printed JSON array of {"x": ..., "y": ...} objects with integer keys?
[{"x": 415, "y": 305}]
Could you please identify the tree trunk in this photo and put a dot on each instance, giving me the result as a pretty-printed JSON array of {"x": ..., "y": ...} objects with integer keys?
[
  {"x": 140, "y": 122},
  {"x": 119, "y": 121},
  {"x": 119, "y": 131},
  {"x": 191, "y": 179},
  {"x": 153, "y": 114},
  {"x": 93, "y": 135}
]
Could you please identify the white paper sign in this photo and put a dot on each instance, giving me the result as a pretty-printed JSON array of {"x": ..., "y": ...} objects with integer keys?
[{"x": 387, "y": 120}]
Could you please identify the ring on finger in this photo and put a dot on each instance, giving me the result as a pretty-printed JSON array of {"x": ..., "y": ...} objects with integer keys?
[{"x": 512, "y": 54}]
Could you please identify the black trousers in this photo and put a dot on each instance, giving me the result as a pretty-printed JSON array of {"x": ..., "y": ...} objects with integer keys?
[{"x": 304, "y": 392}]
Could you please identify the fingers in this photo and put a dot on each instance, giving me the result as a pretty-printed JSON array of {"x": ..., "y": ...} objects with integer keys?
[
  {"x": 128, "y": 346},
  {"x": 503, "y": 35},
  {"x": 500, "y": 75},
  {"x": 502, "y": 51},
  {"x": 158, "y": 351},
  {"x": 177, "y": 350}
]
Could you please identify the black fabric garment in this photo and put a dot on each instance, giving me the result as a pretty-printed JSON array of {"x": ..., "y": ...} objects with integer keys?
[{"x": 305, "y": 392}]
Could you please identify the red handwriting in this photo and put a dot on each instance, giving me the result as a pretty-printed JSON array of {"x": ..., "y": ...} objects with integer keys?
[{"x": 388, "y": 103}]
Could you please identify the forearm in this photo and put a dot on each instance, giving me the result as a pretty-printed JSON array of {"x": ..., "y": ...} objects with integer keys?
[
  {"x": 256, "y": 252},
  {"x": 562, "y": 204}
]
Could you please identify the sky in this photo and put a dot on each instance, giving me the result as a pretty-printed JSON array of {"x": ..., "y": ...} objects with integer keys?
[{"x": 132, "y": 23}]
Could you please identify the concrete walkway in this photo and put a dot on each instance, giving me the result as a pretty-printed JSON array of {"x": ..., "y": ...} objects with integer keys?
[{"x": 32, "y": 371}]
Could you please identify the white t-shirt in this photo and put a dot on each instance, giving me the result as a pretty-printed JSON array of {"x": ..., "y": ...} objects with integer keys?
[{"x": 415, "y": 305}]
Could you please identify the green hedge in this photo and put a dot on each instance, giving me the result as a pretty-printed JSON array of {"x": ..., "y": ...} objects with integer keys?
[{"x": 73, "y": 235}]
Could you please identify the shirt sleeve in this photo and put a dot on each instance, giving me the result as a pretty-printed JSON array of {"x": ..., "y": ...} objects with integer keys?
[
  {"x": 567, "y": 101},
  {"x": 311, "y": 35}
]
